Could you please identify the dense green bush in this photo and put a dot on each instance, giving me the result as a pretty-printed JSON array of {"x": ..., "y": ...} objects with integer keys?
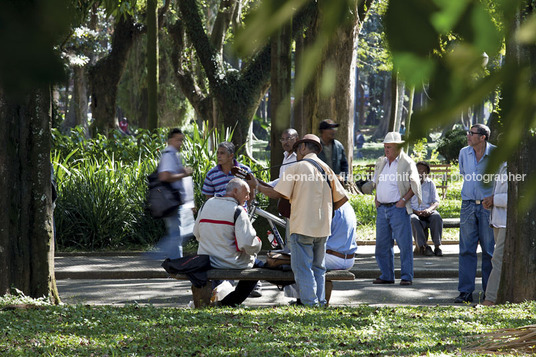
[
  {"x": 365, "y": 210},
  {"x": 451, "y": 143},
  {"x": 102, "y": 185}
]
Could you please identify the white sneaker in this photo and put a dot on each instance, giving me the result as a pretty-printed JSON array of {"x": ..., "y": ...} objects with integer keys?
[{"x": 257, "y": 291}]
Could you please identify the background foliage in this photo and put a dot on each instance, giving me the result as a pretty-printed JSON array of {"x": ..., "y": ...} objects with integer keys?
[{"x": 102, "y": 185}]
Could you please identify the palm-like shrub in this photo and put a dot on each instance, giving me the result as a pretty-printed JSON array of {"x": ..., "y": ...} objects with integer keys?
[{"x": 102, "y": 185}]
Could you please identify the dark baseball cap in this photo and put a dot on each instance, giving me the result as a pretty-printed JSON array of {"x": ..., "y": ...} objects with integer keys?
[{"x": 327, "y": 124}]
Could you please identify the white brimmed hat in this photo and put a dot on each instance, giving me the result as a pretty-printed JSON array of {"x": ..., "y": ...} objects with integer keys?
[{"x": 393, "y": 138}]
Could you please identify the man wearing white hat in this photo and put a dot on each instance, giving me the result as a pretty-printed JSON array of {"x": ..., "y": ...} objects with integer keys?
[{"x": 397, "y": 180}]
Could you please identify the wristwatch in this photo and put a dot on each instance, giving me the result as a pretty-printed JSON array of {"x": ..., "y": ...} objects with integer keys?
[{"x": 403, "y": 199}]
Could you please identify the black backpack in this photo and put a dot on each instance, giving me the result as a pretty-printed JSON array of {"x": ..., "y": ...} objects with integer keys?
[{"x": 162, "y": 199}]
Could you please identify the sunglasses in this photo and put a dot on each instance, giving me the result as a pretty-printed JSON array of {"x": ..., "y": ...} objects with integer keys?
[{"x": 473, "y": 133}]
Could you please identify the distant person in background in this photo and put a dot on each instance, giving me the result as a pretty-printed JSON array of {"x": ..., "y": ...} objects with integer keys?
[
  {"x": 333, "y": 152},
  {"x": 359, "y": 142},
  {"x": 425, "y": 216},
  {"x": 402, "y": 130},
  {"x": 123, "y": 126}
]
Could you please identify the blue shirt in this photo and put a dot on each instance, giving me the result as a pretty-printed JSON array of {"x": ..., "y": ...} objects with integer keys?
[
  {"x": 343, "y": 236},
  {"x": 474, "y": 173},
  {"x": 216, "y": 180},
  {"x": 429, "y": 196},
  {"x": 171, "y": 161}
]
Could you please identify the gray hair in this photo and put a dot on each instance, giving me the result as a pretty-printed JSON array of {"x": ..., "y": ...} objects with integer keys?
[
  {"x": 290, "y": 132},
  {"x": 235, "y": 183},
  {"x": 227, "y": 146}
]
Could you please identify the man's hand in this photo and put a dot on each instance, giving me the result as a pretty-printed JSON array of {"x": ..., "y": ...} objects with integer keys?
[
  {"x": 188, "y": 171},
  {"x": 487, "y": 202},
  {"x": 252, "y": 182},
  {"x": 400, "y": 204}
]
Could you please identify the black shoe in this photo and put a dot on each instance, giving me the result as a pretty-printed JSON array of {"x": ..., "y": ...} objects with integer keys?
[
  {"x": 464, "y": 297},
  {"x": 296, "y": 303},
  {"x": 428, "y": 251},
  {"x": 406, "y": 282},
  {"x": 381, "y": 281},
  {"x": 438, "y": 252}
]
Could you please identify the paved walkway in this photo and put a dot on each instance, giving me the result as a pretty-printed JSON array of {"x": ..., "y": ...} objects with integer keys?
[{"x": 125, "y": 278}]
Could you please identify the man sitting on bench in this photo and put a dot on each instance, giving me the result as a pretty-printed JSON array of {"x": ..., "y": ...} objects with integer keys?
[{"x": 226, "y": 234}]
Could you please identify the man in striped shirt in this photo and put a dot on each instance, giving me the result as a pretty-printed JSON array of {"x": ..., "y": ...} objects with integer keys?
[{"x": 218, "y": 177}]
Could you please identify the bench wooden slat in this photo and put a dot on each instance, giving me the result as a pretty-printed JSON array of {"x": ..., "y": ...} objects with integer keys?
[
  {"x": 201, "y": 296},
  {"x": 264, "y": 274}
]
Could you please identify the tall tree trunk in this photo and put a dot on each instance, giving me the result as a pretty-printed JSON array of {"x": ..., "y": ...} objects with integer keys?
[
  {"x": 395, "y": 92},
  {"x": 152, "y": 64},
  {"x": 105, "y": 75},
  {"x": 384, "y": 127},
  {"x": 79, "y": 104},
  {"x": 410, "y": 110},
  {"x": 280, "y": 94},
  {"x": 306, "y": 102},
  {"x": 26, "y": 237},
  {"x": 519, "y": 262}
]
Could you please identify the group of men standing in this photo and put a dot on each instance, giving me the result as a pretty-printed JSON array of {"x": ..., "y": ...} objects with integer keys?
[{"x": 311, "y": 178}]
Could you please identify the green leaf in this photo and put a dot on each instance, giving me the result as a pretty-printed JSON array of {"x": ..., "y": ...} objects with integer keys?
[
  {"x": 408, "y": 27},
  {"x": 413, "y": 69},
  {"x": 450, "y": 13}
]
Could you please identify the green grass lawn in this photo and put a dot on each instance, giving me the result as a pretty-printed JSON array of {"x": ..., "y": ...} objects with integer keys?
[{"x": 279, "y": 331}]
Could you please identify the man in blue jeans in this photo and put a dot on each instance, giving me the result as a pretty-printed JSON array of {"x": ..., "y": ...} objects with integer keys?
[
  {"x": 397, "y": 181},
  {"x": 313, "y": 196},
  {"x": 180, "y": 224},
  {"x": 474, "y": 218}
]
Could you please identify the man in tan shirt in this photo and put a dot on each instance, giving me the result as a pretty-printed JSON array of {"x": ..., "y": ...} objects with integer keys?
[{"x": 314, "y": 195}]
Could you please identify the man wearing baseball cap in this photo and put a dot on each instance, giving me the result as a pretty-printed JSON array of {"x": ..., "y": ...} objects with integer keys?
[
  {"x": 397, "y": 180},
  {"x": 333, "y": 152}
]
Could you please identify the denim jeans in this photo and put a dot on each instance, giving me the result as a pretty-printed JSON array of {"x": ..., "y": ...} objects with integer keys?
[
  {"x": 179, "y": 230},
  {"x": 474, "y": 228},
  {"x": 309, "y": 268},
  {"x": 394, "y": 223}
]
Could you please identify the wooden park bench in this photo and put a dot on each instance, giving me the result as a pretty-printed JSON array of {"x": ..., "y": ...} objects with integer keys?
[
  {"x": 438, "y": 172},
  {"x": 201, "y": 296}
]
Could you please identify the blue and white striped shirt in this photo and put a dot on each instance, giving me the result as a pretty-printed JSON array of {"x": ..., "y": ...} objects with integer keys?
[{"x": 216, "y": 180}]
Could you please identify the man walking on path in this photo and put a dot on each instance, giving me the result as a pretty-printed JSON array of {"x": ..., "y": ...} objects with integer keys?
[
  {"x": 314, "y": 192},
  {"x": 474, "y": 217},
  {"x": 397, "y": 180},
  {"x": 170, "y": 169}
]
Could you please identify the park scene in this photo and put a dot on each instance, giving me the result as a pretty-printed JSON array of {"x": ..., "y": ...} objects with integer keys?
[{"x": 271, "y": 178}]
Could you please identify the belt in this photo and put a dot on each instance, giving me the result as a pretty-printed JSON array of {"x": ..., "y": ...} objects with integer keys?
[
  {"x": 478, "y": 202},
  {"x": 390, "y": 204},
  {"x": 340, "y": 255}
]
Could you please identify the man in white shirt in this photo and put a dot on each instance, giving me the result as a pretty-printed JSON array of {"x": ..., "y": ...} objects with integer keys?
[
  {"x": 397, "y": 180},
  {"x": 425, "y": 216}
]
